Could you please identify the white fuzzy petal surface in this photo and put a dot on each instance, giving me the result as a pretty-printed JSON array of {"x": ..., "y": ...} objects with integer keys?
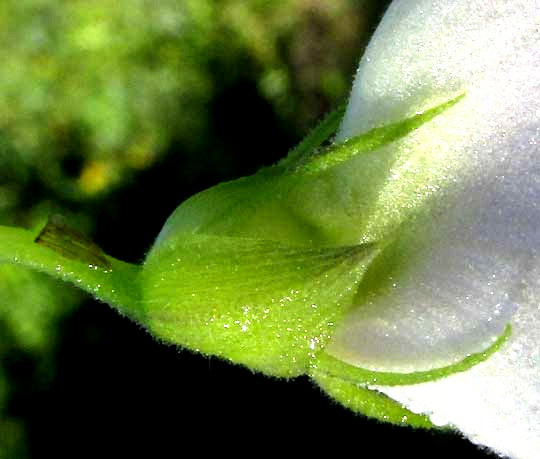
[{"x": 477, "y": 169}]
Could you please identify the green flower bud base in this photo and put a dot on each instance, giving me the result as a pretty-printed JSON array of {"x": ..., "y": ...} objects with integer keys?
[
  {"x": 261, "y": 303},
  {"x": 258, "y": 271}
]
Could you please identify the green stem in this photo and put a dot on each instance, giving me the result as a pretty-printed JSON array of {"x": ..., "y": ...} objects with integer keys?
[{"x": 112, "y": 281}]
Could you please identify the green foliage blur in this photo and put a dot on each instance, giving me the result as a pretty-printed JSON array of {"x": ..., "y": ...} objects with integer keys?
[
  {"x": 96, "y": 96},
  {"x": 109, "y": 85}
]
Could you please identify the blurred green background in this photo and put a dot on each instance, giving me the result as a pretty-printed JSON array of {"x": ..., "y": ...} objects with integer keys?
[{"x": 112, "y": 113}]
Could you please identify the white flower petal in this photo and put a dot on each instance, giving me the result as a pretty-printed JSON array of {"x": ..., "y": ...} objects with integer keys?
[
  {"x": 426, "y": 49},
  {"x": 470, "y": 182},
  {"x": 497, "y": 402},
  {"x": 448, "y": 302}
]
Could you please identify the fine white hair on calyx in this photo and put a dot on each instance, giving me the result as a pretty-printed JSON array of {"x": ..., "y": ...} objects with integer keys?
[{"x": 476, "y": 168}]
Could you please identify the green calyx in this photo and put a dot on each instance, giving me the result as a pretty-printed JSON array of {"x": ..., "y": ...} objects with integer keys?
[
  {"x": 258, "y": 270},
  {"x": 261, "y": 303},
  {"x": 315, "y": 195}
]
